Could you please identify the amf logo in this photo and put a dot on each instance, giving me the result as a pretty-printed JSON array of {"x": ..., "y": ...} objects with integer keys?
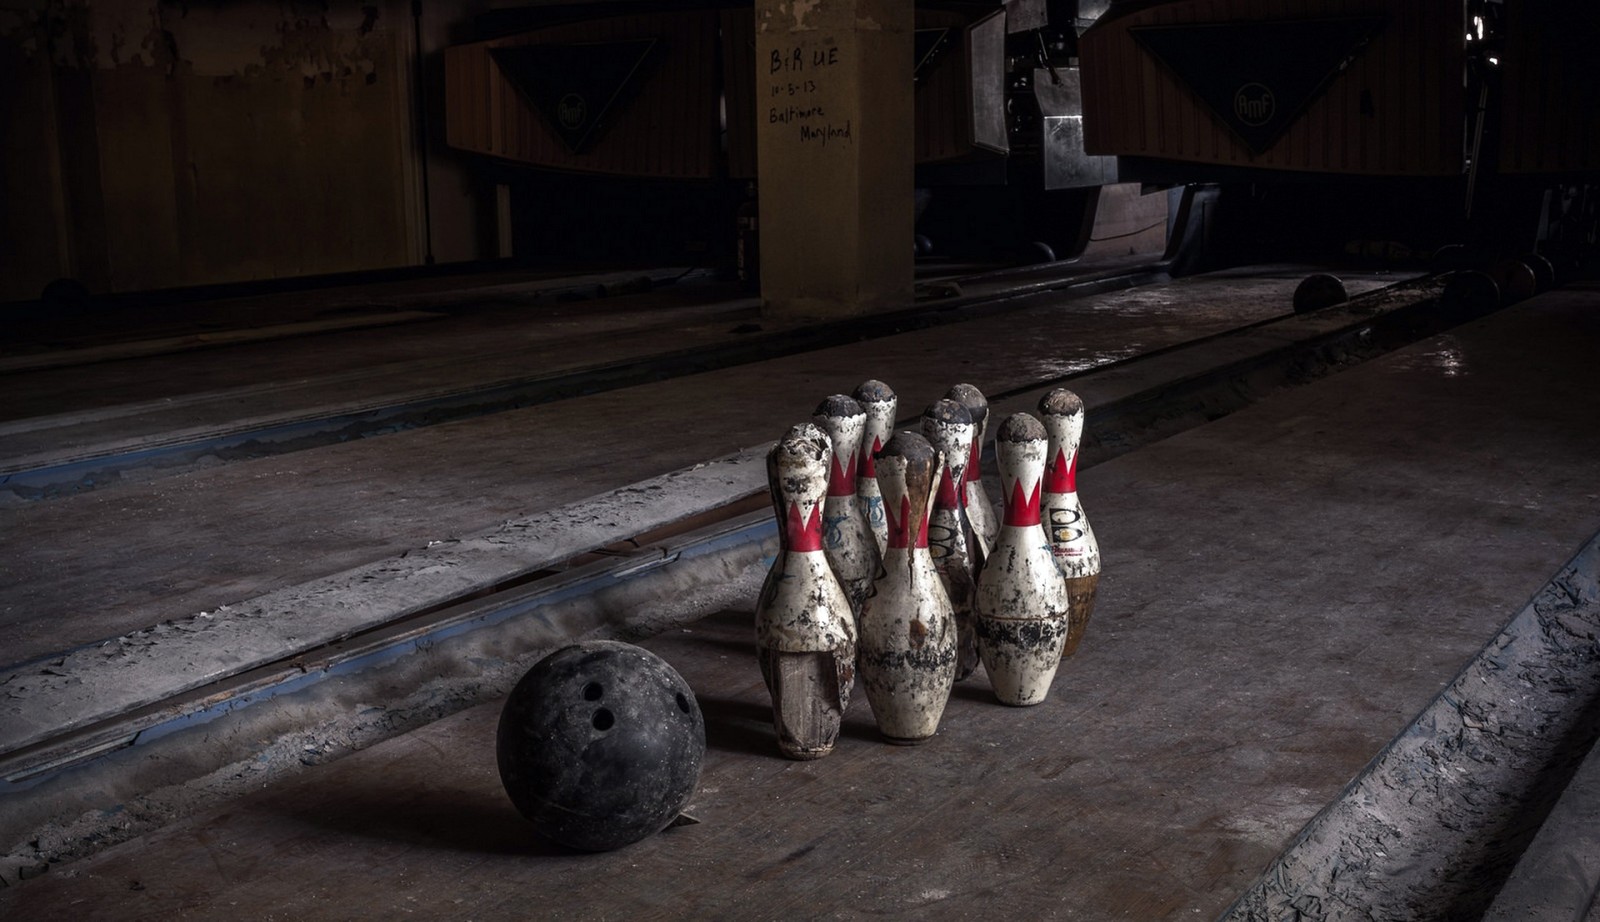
[
  {"x": 1253, "y": 104},
  {"x": 572, "y": 111}
]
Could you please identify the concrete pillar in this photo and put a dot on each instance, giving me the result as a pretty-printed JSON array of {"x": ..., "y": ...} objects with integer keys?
[{"x": 834, "y": 149}]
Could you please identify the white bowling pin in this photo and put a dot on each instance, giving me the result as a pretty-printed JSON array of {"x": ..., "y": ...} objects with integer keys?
[
  {"x": 948, "y": 428},
  {"x": 880, "y": 404},
  {"x": 805, "y": 635},
  {"x": 846, "y": 537},
  {"x": 1022, "y": 600},
  {"x": 980, "y": 511},
  {"x": 908, "y": 632},
  {"x": 1065, "y": 524}
]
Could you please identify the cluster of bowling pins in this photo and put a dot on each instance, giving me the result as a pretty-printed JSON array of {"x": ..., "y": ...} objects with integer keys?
[{"x": 895, "y": 569}]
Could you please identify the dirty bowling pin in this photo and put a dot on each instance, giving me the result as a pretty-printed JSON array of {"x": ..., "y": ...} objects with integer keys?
[
  {"x": 805, "y": 636},
  {"x": 846, "y": 538},
  {"x": 1022, "y": 599},
  {"x": 880, "y": 404},
  {"x": 948, "y": 428},
  {"x": 908, "y": 632},
  {"x": 1065, "y": 525},
  {"x": 980, "y": 512}
]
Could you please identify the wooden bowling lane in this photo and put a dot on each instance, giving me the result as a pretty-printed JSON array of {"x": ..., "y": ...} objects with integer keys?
[
  {"x": 1284, "y": 589},
  {"x": 84, "y": 426},
  {"x": 83, "y": 568},
  {"x": 166, "y": 322},
  {"x": 84, "y": 418}
]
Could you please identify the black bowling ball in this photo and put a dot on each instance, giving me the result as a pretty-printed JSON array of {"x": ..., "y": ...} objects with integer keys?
[
  {"x": 600, "y": 745},
  {"x": 1517, "y": 280},
  {"x": 1544, "y": 271},
  {"x": 1468, "y": 296},
  {"x": 1319, "y": 291}
]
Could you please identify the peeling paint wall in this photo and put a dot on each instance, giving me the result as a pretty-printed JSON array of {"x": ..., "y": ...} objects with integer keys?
[{"x": 154, "y": 144}]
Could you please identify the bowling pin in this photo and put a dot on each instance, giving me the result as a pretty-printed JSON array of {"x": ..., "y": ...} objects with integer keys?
[
  {"x": 880, "y": 404},
  {"x": 948, "y": 428},
  {"x": 805, "y": 635},
  {"x": 908, "y": 632},
  {"x": 1066, "y": 527},
  {"x": 846, "y": 538},
  {"x": 979, "y": 510},
  {"x": 1022, "y": 599}
]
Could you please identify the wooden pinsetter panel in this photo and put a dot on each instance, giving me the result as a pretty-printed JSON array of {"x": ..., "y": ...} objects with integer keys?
[
  {"x": 650, "y": 108},
  {"x": 1550, "y": 101},
  {"x": 1367, "y": 87}
]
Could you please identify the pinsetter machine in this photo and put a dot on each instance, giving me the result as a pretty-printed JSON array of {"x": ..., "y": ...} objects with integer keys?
[
  {"x": 1414, "y": 122},
  {"x": 636, "y": 126}
]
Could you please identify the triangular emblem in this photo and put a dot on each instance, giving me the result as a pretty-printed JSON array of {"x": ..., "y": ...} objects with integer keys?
[
  {"x": 576, "y": 87},
  {"x": 1257, "y": 77}
]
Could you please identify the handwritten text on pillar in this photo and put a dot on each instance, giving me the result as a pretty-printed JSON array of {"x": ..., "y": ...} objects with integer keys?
[{"x": 799, "y": 92}]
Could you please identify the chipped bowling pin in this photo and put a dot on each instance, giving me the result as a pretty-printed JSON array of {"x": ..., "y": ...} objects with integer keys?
[
  {"x": 908, "y": 632},
  {"x": 1065, "y": 525},
  {"x": 1022, "y": 599},
  {"x": 880, "y": 404},
  {"x": 805, "y": 636},
  {"x": 846, "y": 538},
  {"x": 980, "y": 512},
  {"x": 948, "y": 428}
]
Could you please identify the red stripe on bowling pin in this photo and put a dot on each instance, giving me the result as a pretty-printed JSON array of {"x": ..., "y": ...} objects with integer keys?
[
  {"x": 950, "y": 495},
  {"x": 842, "y": 480},
  {"x": 900, "y": 526},
  {"x": 869, "y": 467},
  {"x": 804, "y": 535},
  {"x": 976, "y": 458},
  {"x": 1061, "y": 475},
  {"x": 1022, "y": 510}
]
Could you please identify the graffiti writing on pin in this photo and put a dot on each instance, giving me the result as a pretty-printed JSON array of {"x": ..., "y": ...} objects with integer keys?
[
  {"x": 875, "y": 511},
  {"x": 833, "y": 531}
]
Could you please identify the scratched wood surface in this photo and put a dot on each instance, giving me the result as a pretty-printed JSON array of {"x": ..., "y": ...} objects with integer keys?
[
  {"x": 91, "y": 566},
  {"x": 1283, "y": 590}
]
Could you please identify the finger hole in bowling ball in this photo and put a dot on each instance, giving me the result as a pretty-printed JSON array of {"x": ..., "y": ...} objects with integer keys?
[
  {"x": 593, "y": 691},
  {"x": 683, "y": 703},
  {"x": 604, "y": 720}
]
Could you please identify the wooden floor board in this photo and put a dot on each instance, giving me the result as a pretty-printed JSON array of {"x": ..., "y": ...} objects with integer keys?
[{"x": 1284, "y": 589}]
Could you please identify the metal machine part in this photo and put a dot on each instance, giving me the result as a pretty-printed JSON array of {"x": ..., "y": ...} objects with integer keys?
[
  {"x": 986, "y": 52},
  {"x": 1059, "y": 93}
]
